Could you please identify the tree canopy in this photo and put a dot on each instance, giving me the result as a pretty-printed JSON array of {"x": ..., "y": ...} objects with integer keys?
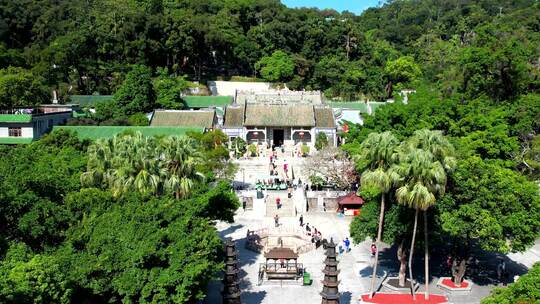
[
  {"x": 475, "y": 48},
  {"x": 62, "y": 243},
  {"x": 525, "y": 290}
]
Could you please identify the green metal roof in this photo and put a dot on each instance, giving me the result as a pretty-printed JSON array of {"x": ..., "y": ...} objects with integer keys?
[
  {"x": 95, "y": 132},
  {"x": 89, "y": 100},
  {"x": 207, "y": 101},
  {"x": 15, "y": 140},
  {"x": 352, "y": 105},
  {"x": 15, "y": 117}
]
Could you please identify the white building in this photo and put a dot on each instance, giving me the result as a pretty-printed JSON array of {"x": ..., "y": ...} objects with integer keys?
[{"x": 25, "y": 125}]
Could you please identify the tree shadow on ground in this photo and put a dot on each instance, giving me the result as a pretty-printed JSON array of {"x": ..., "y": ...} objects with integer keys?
[
  {"x": 346, "y": 297},
  {"x": 388, "y": 264},
  {"x": 253, "y": 297},
  {"x": 485, "y": 273},
  {"x": 224, "y": 233},
  {"x": 245, "y": 256}
]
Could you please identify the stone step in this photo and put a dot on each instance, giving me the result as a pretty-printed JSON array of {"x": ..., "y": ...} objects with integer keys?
[{"x": 288, "y": 283}]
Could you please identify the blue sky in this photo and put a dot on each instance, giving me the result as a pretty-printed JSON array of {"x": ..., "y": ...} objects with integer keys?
[{"x": 355, "y": 6}]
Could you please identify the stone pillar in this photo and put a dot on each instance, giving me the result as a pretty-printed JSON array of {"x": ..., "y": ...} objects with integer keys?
[
  {"x": 330, "y": 292},
  {"x": 231, "y": 281}
]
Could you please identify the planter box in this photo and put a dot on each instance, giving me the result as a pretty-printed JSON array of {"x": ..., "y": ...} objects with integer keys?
[
  {"x": 388, "y": 298},
  {"x": 391, "y": 283},
  {"x": 446, "y": 284}
]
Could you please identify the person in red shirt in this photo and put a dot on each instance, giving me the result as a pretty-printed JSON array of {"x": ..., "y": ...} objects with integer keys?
[{"x": 373, "y": 249}]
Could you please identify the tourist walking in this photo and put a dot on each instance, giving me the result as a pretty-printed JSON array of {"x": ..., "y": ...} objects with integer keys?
[
  {"x": 244, "y": 205},
  {"x": 276, "y": 220},
  {"x": 373, "y": 250},
  {"x": 347, "y": 244},
  {"x": 301, "y": 220}
]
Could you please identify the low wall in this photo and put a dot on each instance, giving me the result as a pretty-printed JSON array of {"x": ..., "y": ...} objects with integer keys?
[
  {"x": 318, "y": 201},
  {"x": 228, "y": 88},
  {"x": 288, "y": 237}
]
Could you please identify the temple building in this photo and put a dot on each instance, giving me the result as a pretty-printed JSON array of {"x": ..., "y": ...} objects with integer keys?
[
  {"x": 279, "y": 118},
  {"x": 204, "y": 119}
]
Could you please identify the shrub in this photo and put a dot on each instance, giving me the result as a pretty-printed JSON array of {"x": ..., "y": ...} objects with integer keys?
[
  {"x": 525, "y": 290},
  {"x": 305, "y": 150},
  {"x": 321, "y": 141},
  {"x": 238, "y": 145},
  {"x": 138, "y": 119},
  {"x": 252, "y": 150}
]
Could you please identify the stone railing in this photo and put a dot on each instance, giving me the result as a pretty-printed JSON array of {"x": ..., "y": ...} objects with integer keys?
[{"x": 260, "y": 240}]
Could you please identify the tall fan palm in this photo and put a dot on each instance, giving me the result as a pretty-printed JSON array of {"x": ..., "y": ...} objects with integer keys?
[
  {"x": 124, "y": 163},
  {"x": 424, "y": 178},
  {"x": 99, "y": 164},
  {"x": 181, "y": 157},
  {"x": 443, "y": 152},
  {"x": 378, "y": 154}
]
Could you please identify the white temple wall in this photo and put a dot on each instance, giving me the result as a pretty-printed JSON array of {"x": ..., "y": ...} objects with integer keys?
[{"x": 228, "y": 88}]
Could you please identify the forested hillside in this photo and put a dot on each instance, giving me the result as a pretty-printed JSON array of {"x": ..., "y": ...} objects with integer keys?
[
  {"x": 138, "y": 227},
  {"x": 86, "y": 46}
]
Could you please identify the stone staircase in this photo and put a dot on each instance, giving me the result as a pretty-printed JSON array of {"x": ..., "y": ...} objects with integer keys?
[
  {"x": 251, "y": 170},
  {"x": 256, "y": 168},
  {"x": 287, "y": 206}
]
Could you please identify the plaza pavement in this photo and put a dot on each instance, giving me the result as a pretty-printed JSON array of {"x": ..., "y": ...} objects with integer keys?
[{"x": 355, "y": 266}]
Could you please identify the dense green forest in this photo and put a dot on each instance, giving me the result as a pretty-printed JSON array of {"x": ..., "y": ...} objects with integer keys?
[
  {"x": 104, "y": 222},
  {"x": 81, "y": 46},
  {"x": 119, "y": 233}
]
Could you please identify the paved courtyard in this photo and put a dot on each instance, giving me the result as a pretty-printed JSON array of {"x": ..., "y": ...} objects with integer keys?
[{"x": 355, "y": 266}]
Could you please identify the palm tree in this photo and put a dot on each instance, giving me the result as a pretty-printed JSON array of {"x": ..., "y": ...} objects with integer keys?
[
  {"x": 423, "y": 179},
  {"x": 443, "y": 152},
  {"x": 124, "y": 163},
  {"x": 133, "y": 162},
  {"x": 378, "y": 152},
  {"x": 182, "y": 157}
]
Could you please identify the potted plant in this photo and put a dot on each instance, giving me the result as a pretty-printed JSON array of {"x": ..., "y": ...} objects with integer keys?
[
  {"x": 305, "y": 150},
  {"x": 252, "y": 150},
  {"x": 238, "y": 145}
]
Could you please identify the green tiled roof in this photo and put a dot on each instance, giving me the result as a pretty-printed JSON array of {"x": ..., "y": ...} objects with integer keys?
[
  {"x": 89, "y": 100},
  {"x": 15, "y": 117},
  {"x": 95, "y": 132},
  {"x": 207, "y": 101},
  {"x": 352, "y": 105},
  {"x": 14, "y": 140}
]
